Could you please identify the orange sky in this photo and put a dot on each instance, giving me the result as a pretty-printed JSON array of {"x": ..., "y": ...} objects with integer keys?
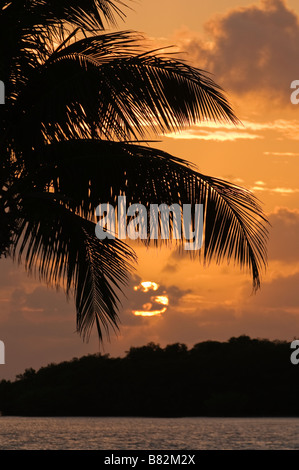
[{"x": 253, "y": 51}]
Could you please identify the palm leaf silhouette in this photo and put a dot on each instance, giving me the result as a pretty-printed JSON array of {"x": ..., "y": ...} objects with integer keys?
[
  {"x": 61, "y": 247},
  {"x": 78, "y": 103}
]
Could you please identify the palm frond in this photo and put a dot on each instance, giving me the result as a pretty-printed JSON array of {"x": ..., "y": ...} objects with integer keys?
[
  {"x": 38, "y": 15},
  {"x": 29, "y": 30},
  {"x": 61, "y": 248},
  {"x": 235, "y": 227},
  {"x": 102, "y": 87},
  {"x": 173, "y": 91},
  {"x": 87, "y": 14}
]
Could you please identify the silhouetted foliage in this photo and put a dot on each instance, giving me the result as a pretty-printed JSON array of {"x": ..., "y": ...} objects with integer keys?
[
  {"x": 79, "y": 102},
  {"x": 240, "y": 377}
]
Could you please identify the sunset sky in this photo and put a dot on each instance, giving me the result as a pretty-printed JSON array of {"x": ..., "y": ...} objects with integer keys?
[{"x": 252, "y": 50}]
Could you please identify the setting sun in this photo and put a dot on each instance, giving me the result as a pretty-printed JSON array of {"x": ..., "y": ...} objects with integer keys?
[
  {"x": 152, "y": 313},
  {"x": 145, "y": 286},
  {"x": 148, "y": 308}
]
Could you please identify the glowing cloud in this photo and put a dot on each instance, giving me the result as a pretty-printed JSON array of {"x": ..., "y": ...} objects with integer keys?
[{"x": 220, "y": 136}]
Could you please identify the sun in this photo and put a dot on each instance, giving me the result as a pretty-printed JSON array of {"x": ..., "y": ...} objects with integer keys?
[
  {"x": 147, "y": 308},
  {"x": 145, "y": 286}
]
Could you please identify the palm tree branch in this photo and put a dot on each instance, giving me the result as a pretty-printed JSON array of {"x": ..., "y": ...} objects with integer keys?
[
  {"x": 116, "y": 93},
  {"x": 234, "y": 224},
  {"x": 44, "y": 14},
  {"x": 62, "y": 249}
]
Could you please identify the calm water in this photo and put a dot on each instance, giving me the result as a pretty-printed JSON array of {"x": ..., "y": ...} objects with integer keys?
[{"x": 148, "y": 433}]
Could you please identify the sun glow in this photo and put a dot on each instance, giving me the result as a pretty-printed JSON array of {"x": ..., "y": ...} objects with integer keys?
[
  {"x": 147, "y": 311},
  {"x": 151, "y": 313},
  {"x": 161, "y": 299},
  {"x": 145, "y": 286}
]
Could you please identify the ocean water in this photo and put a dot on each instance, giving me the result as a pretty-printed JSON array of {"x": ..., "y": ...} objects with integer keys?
[{"x": 149, "y": 433}]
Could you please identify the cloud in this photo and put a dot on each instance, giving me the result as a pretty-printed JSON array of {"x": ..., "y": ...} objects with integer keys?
[
  {"x": 37, "y": 324},
  {"x": 285, "y": 127},
  {"x": 271, "y": 313},
  {"x": 247, "y": 130},
  {"x": 283, "y": 243},
  {"x": 219, "y": 323},
  {"x": 170, "y": 267},
  {"x": 282, "y": 154},
  {"x": 279, "y": 190},
  {"x": 249, "y": 49},
  {"x": 281, "y": 293},
  {"x": 218, "y": 136}
]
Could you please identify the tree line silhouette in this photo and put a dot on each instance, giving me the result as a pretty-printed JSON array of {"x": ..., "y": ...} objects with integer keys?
[{"x": 240, "y": 377}]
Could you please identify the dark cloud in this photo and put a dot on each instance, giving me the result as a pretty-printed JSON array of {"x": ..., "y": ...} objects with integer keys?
[
  {"x": 283, "y": 241},
  {"x": 217, "y": 323},
  {"x": 11, "y": 274},
  {"x": 170, "y": 268},
  {"x": 254, "y": 48},
  {"x": 178, "y": 326},
  {"x": 176, "y": 294},
  {"x": 37, "y": 324},
  {"x": 46, "y": 301},
  {"x": 282, "y": 293}
]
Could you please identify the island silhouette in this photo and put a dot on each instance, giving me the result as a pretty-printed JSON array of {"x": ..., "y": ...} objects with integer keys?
[{"x": 239, "y": 377}]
